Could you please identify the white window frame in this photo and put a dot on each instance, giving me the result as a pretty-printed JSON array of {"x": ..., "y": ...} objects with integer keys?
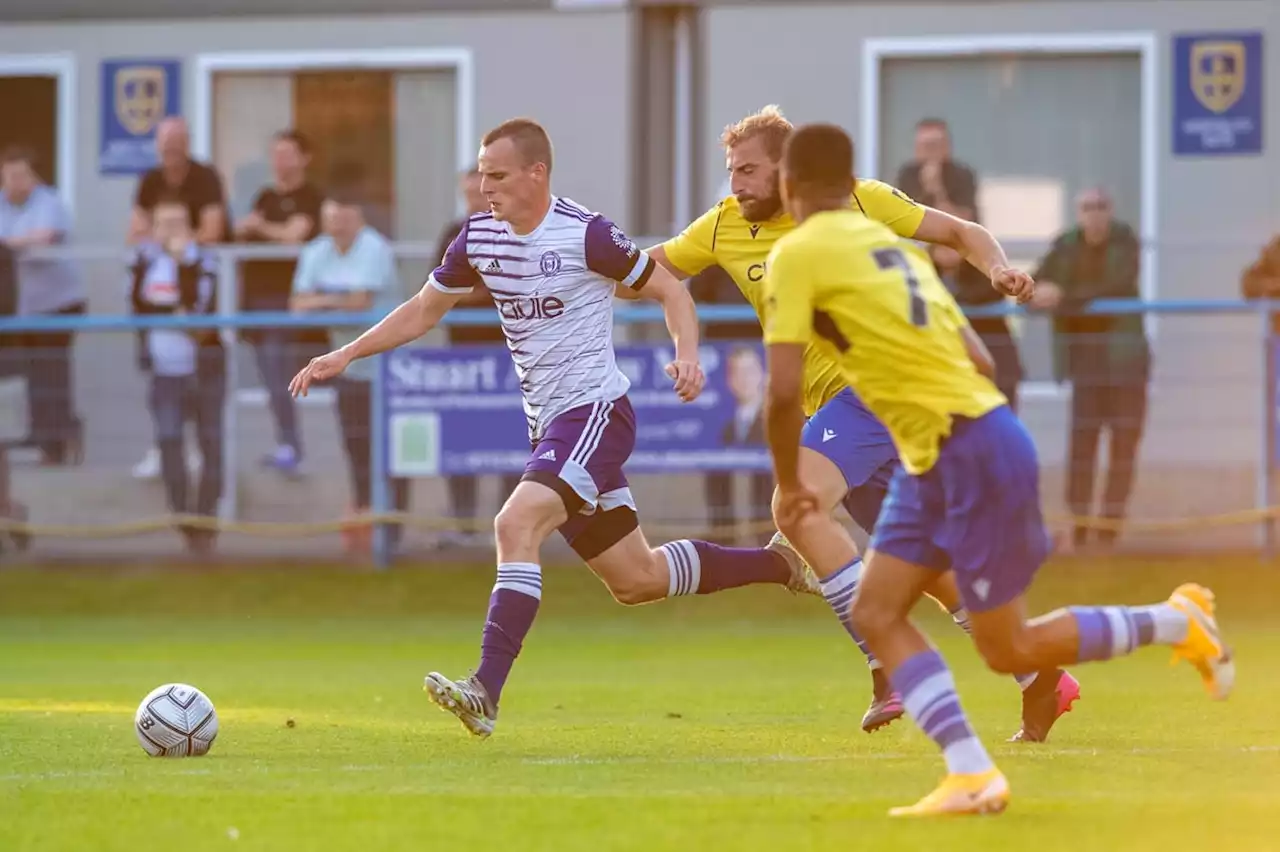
[
  {"x": 1142, "y": 44},
  {"x": 457, "y": 59},
  {"x": 61, "y": 67}
]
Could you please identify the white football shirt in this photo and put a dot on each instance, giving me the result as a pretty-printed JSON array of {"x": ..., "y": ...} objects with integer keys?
[{"x": 553, "y": 289}]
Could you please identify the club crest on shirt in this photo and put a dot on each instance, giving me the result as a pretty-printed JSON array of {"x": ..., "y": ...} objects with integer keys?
[
  {"x": 622, "y": 241},
  {"x": 549, "y": 263}
]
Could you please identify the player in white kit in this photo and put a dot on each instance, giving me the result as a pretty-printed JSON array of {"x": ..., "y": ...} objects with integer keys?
[{"x": 552, "y": 267}]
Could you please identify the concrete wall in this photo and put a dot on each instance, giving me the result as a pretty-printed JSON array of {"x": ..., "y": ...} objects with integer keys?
[{"x": 570, "y": 71}]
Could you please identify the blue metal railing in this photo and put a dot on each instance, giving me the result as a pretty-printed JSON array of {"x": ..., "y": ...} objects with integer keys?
[
  {"x": 624, "y": 314},
  {"x": 628, "y": 313}
]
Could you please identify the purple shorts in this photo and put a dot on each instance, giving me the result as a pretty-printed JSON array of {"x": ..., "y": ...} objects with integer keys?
[{"x": 580, "y": 456}]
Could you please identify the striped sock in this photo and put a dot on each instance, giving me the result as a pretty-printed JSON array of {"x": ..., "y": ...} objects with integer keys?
[
  {"x": 1114, "y": 631},
  {"x": 703, "y": 568},
  {"x": 513, "y": 605},
  {"x": 838, "y": 590},
  {"x": 684, "y": 568},
  {"x": 960, "y": 616},
  {"x": 929, "y": 693}
]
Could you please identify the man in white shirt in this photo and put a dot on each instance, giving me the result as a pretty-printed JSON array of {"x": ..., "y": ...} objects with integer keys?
[
  {"x": 553, "y": 268},
  {"x": 32, "y": 215},
  {"x": 350, "y": 267}
]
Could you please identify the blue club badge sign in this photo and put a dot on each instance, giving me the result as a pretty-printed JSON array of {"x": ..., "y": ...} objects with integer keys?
[
  {"x": 1217, "y": 94},
  {"x": 136, "y": 95}
]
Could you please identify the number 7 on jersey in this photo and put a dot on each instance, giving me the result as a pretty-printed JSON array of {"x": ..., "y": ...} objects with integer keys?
[{"x": 892, "y": 258}]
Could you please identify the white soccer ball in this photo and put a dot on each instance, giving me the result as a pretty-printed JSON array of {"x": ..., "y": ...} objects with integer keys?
[{"x": 176, "y": 720}]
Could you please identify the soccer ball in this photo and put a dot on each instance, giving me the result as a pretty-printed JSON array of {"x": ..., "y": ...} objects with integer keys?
[{"x": 176, "y": 720}]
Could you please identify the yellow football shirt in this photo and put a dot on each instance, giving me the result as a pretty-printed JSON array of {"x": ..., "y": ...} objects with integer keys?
[
  {"x": 872, "y": 302},
  {"x": 722, "y": 237}
]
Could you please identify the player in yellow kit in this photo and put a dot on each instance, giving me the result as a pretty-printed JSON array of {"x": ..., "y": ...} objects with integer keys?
[
  {"x": 967, "y": 495},
  {"x": 847, "y": 456}
]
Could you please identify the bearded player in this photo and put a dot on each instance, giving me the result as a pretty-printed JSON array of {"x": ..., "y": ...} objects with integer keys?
[{"x": 847, "y": 456}]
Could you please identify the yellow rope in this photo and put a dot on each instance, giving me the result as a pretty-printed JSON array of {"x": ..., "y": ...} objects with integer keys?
[{"x": 273, "y": 529}]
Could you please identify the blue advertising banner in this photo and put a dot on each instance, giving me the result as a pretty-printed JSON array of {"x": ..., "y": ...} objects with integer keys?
[
  {"x": 1217, "y": 93},
  {"x": 136, "y": 95},
  {"x": 457, "y": 411}
]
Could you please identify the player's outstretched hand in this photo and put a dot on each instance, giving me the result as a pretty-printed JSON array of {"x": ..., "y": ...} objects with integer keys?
[
  {"x": 1014, "y": 282},
  {"x": 688, "y": 377},
  {"x": 794, "y": 503},
  {"x": 318, "y": 370}
]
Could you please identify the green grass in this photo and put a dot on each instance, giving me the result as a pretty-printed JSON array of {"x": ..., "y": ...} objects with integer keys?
[{"x": 726, "y": 723}]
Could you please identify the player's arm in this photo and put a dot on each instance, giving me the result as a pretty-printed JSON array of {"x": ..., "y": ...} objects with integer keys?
[
  {"x": 612, "y": 254},
  {"x": 689, "y": 252},
  {"x": 787, "y": 331},
  {"x": 908, "y": 218},
  {"x": 454, "y": 278},
  {"x": 978, "y": 246}
]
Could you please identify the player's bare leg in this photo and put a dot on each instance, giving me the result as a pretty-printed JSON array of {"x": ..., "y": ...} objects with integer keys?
[
  {"x": 636, "y": 573},
  {"x": 1185, "y": 622},
  {"x": 1047, "y": 694},
  {"x": 530, "y": 514},
  {"x": 834, "y": 558},
  {"x": 890, "y": 587}
]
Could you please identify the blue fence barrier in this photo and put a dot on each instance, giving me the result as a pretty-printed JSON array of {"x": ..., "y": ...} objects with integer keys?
[{"x": 229, "y": 323}]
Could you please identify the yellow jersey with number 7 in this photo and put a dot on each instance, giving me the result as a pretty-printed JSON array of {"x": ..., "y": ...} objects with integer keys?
[{"x": 872, "y": 302}]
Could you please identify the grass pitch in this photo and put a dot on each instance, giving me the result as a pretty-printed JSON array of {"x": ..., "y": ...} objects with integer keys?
[{"x": 722, "y": 723}]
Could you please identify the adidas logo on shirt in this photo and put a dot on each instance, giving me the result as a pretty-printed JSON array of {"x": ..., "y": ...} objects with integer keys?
[
  {"x": 549, "y": 455},
  {"x": 493, "y": 266}
]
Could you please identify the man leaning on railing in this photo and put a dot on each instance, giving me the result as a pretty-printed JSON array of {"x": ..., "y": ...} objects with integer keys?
[
  {"x": 351, "y": 267},
  {"x": 1106, "y": 358},
  {"x": 32, "y": 215}
]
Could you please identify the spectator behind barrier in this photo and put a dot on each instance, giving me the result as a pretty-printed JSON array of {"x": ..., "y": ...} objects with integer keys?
[
  {"x": 287, "y": 212},
  {"x": 198, "y": 188},
  {"x": 351, "y": 267},
  {"x": 972, "y": 289},
  {"x": 172, "y": 274},
  {"x": 1106, "y": 358},
  {"x": 32, "y": 215},
  {"x": 934, "y": 179},
  {"x": 463, "y": 489},
  {"x": 713, "y": 286}
]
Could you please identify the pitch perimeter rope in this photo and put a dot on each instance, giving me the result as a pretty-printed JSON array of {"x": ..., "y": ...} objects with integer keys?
[{"x": 275, "y": 529}]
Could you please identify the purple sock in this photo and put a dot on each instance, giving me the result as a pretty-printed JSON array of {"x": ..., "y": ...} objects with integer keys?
[
  {"x": 1113, "y": 631},
  {"x": 929, "y": 693},
  {"x": 512, "y": 608},
  {"x": 702, "y": 568}
]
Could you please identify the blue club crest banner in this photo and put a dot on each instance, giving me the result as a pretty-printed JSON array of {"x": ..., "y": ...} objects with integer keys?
[
  {"x": 457, "y": 411},
  {"x": 136, "y": 94},
  {"x": 1217, "y": 93}
]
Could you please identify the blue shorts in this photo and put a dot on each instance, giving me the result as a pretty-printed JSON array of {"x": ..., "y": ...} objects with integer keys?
[
  {"x": 845, "y": 432},
  {"x": 976, "y": 511}
]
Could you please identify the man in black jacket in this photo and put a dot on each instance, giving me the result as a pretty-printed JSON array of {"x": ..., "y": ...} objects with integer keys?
[{"x": 1106, "y": 358}]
